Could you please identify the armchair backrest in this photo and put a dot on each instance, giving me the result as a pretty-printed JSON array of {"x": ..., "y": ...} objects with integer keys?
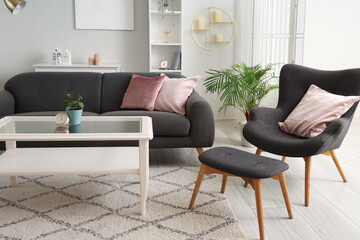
[{"x": 295, "y": 80}]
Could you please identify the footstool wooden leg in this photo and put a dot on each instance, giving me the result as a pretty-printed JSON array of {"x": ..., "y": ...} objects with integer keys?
[
  {"x": 285, "y": 194},
  {"x": 197, "y": 185},
  {"x": 259, "y": 208},
  {"x": 223, "y": 185}
]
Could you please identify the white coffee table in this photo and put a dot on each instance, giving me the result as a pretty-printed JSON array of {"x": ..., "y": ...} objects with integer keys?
[{"x": 89, "y": 160}]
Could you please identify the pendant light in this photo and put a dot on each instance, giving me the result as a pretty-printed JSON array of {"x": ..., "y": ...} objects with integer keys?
[{"x": 15, "y": 6}]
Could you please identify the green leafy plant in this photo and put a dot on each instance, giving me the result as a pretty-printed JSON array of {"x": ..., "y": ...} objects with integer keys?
[
  {"x": 241, "y": 86},
  {"x": 73, "y": 101}
]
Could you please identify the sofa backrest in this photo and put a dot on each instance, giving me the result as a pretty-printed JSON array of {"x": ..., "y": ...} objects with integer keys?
[
  {"x": 45, "y": 91},
  {"x": 115, "y": 85}
]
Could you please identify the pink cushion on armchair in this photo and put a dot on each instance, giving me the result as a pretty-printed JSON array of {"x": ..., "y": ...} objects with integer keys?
[
  {"x": 174, "y": 94},
  {"x": 315, "y": 111},
  {"x": 142, "y": 92}
]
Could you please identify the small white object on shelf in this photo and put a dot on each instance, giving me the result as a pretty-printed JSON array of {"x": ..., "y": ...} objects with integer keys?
[
  {"x": 67, "y": 58},
  {"x": 58, "y": 61},
  {"x": 55, "y": 55}
]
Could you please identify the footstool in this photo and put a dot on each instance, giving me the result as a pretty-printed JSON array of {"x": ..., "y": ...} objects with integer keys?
[{"x": 250, "y": 167}]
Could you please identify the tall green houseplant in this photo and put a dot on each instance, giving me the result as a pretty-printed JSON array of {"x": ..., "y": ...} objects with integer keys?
[{"x": 241, "y": 86}]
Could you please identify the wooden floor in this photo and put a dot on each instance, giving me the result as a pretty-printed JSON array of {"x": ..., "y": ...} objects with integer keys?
[{"x": 334, "y": 211}]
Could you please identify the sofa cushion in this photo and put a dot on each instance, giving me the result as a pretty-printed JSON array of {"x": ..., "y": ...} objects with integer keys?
[
  {"x": 114, "y": 86},
  {"x": 164, "y": 123},
  {"x": 142, "y": 92},
  {"x": 45, "y": 91},
  {"x": 174, "y": 94},
  {"x": 50, "y": 113}
]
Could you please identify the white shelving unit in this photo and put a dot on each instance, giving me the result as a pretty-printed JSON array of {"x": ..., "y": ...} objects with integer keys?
[{"x": 159, "y": 22}]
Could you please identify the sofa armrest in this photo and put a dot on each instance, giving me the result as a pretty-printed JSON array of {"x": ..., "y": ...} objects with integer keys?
[
  {"x": 7, "y": 103},
  {"x": 200, "y": 114}
]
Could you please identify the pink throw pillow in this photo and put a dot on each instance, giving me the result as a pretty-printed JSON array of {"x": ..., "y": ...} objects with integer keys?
[
  {"x": 142, "y": 92},
  {"x": 315, "y": 111},
  {"x": 174, "y": 94}
]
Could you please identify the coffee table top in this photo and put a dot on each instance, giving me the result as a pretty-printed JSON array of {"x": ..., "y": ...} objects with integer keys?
[{"x": 39, "y": 128}]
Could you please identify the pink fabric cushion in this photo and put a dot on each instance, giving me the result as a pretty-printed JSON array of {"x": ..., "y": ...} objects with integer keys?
[
  {"x": 174, "y": 94},
  {"x": 142, "y": 92},
  {"x": 316, "y": 109}
]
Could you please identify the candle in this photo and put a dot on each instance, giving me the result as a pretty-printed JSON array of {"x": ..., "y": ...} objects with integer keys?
[
  {"x": 218, "y": 37},
  {"x": 217, "y": 16},
  {"x": 201, "y": 23}
]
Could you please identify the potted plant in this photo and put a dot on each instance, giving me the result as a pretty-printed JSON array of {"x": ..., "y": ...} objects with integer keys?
[
  {"x": 241, "y": 86},
  {"x": 74, "y": 107}
]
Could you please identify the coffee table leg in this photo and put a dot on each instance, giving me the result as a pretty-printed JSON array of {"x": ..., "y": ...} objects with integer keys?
[
  {"x": 144, "y": 173},
  {"x": 11, "y": 145}
]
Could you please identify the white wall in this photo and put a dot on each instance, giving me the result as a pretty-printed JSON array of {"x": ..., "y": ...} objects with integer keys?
[
  {"x": 332, "y": 35},
  {"x": 31, "y": 36},
  {"x": 197, "y": 60}
]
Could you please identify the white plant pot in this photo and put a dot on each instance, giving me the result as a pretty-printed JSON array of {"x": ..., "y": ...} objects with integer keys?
[{"x": 244, "y": 142}]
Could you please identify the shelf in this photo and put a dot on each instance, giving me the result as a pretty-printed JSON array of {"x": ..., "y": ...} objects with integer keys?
[
  {"x": 200, "y": 29},
  {"x": 218, "y": 41},
  {"x": 166, "y": 44},
  {"x": 221, "y": 22},
  {"x": 166, "y": 71},
  {"x": 155, "y": 12}
]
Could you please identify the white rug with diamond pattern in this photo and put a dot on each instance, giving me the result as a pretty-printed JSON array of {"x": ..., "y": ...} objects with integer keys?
[{"x": 107, "y": 207}]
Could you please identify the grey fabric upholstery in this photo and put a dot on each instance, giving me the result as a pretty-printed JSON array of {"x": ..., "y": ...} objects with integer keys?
[
  {"x": 202, "y": 128},
  {"x": 164, "y": 123},
  {"x": 42, "y": 94},
  {"x": 7, "y": 103},
  {"x": 45, "y": 91},
  {"x": 262, "y": 130},
  {"x": 51, "y": 113},
  {"x": 240, "y": 163}
]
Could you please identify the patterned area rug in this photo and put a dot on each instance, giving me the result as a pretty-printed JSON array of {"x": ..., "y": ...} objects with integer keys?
[{"x": 107, "y": 207}]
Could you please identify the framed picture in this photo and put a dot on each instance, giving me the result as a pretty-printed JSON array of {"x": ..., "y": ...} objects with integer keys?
[{"x": 104, "y": 14}]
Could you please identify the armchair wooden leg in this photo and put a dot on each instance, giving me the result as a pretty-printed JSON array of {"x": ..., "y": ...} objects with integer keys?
[
  {"x": 336, "y": 161},
  {"x": 259, "y": 208},
  {"x": 307, "y": 179},
  {"x": 285, "y": 194},
  {"x": 283, "y": 158},
  {"x": 197, "y": 185},
  {"x": 200, "y": 150},
  {"x": 223, "y": 185}
]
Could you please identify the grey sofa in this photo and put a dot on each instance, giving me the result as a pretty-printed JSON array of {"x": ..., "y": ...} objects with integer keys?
[{"x": 42, "y": 94}]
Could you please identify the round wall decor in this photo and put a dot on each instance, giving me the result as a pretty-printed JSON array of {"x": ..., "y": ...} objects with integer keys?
[{"x": 213, "y": 29}]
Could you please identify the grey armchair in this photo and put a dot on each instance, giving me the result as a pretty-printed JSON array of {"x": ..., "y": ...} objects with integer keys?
[{"x": 262, "y": 130}]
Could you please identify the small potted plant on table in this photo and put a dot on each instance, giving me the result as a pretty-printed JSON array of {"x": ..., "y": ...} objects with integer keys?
[
  {"x": 74, "y": 107},
  {"x": 242, "y": 87}
]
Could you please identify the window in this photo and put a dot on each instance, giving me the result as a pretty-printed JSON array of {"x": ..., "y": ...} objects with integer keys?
[{"x": 271, "y": 31}]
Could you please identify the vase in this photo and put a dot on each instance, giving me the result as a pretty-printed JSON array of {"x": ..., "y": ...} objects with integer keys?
[
  {"x": 97, "y": 59},
  {"x": 74, "y": 116},
  {"x": 75, "y": 128},
  {"x": 244, "y": 142}
]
